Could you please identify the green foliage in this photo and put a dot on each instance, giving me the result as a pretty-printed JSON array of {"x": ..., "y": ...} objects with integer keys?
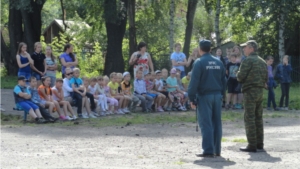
[
  {"x": 8, "y": 82},
  {"x": 3, "y": 71},
  {"x": 4, "y": 13},
  {"x": 203, "y": 24},
  {"x": 92, "y": 64},
  {"x": 51, "y": 10}
]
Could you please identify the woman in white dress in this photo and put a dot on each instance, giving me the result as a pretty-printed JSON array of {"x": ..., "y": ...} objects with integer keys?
[{"x": 141, "y": 60}]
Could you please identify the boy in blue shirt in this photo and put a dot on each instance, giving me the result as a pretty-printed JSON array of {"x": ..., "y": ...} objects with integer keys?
[
  {"x": 141, "y": 92},
  {"x": 80, "y": 91},
  {"x": 178, "y": 59},
  {"x": 22, "y": 97}
]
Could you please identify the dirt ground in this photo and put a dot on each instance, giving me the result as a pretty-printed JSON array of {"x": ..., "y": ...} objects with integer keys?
[{"x": 161, "y": 146}]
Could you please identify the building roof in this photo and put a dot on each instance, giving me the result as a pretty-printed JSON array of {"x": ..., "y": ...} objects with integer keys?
[{"x": 69, "y": 24}]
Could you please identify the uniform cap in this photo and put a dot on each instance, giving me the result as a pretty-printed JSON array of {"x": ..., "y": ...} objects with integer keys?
[
  {"x": 251, "y": 43},
  {"x": 205, "y": 43}
]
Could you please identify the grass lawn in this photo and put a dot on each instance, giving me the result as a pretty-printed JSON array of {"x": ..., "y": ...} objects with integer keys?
[
  {"x": 294, "y": 96},
  {"x": 145, "y": 118},
  {"x": 8, "y": 82}
]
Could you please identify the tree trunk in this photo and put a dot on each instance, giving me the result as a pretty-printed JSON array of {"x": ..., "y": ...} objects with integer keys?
[
  {"x": 15, "y": 37},
  {"x": 217, "y": 21},
  {"x": 32, "y": 24},
  {"x": 192, "y": 5},
  {"x": 171, "y": 26},
  {"x": 281, "y": 37},
  {"x": 115, "y": 22},
  {"x": 132, "y": 29}
]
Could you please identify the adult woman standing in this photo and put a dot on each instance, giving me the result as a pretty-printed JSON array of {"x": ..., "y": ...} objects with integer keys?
[
  {"x": 240, "y": 97},
  {"x": 51, "y": 65},
  {"x": 24, "y": 60},
  {"x": 67, "y": 59},
  {"x": 141, "y": 60}
]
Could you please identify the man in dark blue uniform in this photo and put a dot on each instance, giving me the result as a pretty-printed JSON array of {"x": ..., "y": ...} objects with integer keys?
[{"x": 205, "y": 90}]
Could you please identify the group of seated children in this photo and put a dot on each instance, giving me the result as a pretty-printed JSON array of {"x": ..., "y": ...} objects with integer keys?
[{"x": 112, "y": 95}]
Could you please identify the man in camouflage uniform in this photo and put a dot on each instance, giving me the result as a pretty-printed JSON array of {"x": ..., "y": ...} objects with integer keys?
[{"x": 253, "y": 75}]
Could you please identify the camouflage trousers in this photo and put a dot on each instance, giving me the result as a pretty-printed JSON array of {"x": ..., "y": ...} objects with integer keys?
[{"x": 253, "y": 99}]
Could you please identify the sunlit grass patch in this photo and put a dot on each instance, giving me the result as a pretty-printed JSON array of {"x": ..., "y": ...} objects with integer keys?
[{"x": 239, "y": 140}]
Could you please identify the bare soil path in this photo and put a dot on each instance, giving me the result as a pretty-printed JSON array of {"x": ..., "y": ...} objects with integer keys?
[{"x": 159, "y": 146}]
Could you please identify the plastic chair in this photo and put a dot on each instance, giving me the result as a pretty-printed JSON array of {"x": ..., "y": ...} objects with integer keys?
[{"x": 18, "y": 108}]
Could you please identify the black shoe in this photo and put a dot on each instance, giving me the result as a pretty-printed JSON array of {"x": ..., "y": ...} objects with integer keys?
[
  {"x": 218, "y": 155},
  {"x": 260, "y": 149},
  {"x": 248, "y": 149},
  {"x": 40, "y": 121},
  {"x": 53, "y": 120},
  {"x": 205, "y": 155},
  {"x": 80, "y": 116}
]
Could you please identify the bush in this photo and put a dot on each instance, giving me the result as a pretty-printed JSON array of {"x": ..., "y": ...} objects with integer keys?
[
  {"x": 90, "y": 62},
  {"x": 3, "y": 71}
]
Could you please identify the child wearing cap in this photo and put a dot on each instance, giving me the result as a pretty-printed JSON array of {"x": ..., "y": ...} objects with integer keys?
[
  {"x": 22, "y": 97},
  {"x": 175, "y": 96},
  {"x": 126, "y": 88}
]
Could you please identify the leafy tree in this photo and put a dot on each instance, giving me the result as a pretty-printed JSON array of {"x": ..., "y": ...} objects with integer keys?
[
  {"x": 191, "y": 10},
  {"x": 24, "y": 25}
]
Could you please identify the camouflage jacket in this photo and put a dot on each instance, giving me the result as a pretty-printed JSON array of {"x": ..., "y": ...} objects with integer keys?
[{"x": 253, "y": 72}]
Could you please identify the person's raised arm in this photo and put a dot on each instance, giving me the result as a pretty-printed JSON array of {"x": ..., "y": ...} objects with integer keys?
[
  {"x": 132, "y": 59},
  {"x": 19, "y": 62},
  {"x": 190, "y": 59}
]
